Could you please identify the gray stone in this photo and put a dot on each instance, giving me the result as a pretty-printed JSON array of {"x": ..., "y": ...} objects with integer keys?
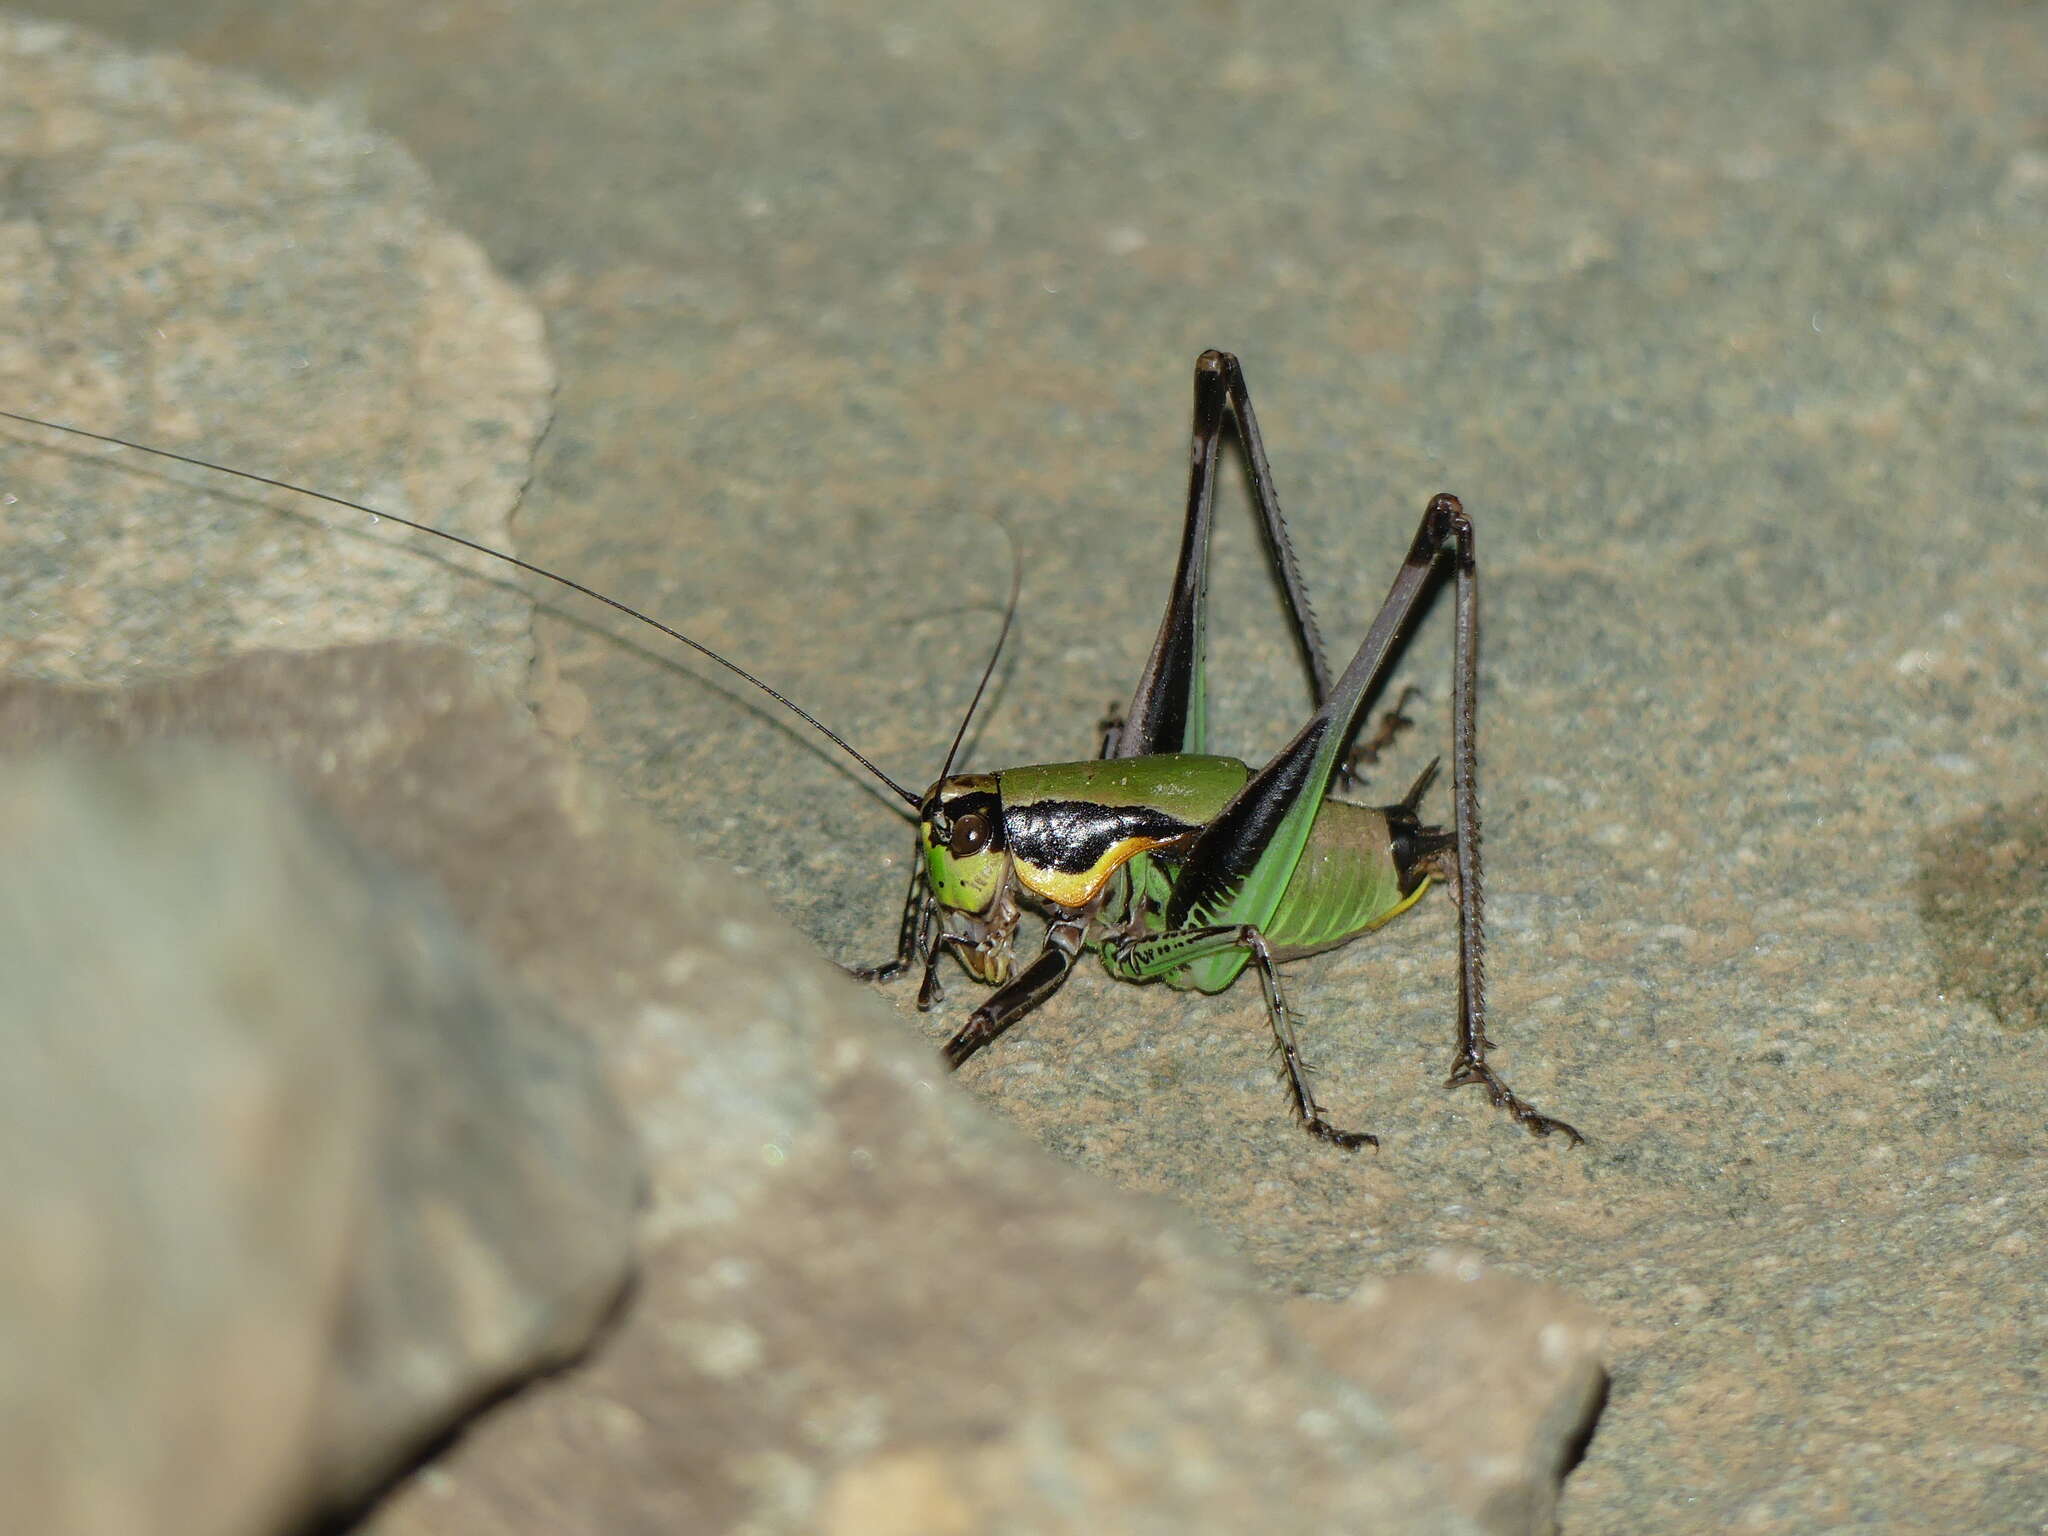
[
  {"x": 1726, "y": 324},
  {"x": 292, "y": 1182},
  {"x": 1497, "y": 1381},
  {"x": 861, "y": 1299},
  {"x": 181, "y": 249},
  {"x": 185, "y": 1123}
]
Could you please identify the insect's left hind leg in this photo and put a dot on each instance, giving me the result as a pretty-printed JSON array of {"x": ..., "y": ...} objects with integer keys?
[{"x": 1469, "y": 1066}]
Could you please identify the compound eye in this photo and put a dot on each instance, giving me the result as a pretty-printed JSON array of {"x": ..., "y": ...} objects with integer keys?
[{"x": 970, "y": 834}]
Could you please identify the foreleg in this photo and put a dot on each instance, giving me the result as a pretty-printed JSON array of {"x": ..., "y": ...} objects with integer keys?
[{"x": 1021, "y": 993}]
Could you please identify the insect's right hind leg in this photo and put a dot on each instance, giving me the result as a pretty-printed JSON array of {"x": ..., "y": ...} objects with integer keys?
[{"x": 1168, "y": 711}]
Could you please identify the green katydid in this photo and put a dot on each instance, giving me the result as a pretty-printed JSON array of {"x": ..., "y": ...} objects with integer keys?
[{"x": 1171, "y": 863}]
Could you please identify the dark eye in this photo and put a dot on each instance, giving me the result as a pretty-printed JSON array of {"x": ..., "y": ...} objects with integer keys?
[{"x": 970, "y": 834}]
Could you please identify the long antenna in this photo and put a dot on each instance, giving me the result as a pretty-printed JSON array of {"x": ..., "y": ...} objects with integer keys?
[
  {"x": 839, "y": 741},
  {"x": 989, "y": 671}
]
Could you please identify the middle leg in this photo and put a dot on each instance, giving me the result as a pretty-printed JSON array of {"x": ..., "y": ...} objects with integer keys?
[{"x": 1144, "y": 958}]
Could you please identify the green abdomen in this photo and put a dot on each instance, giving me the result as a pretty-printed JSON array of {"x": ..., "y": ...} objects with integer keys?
[{"x": 1346, "y": 883}]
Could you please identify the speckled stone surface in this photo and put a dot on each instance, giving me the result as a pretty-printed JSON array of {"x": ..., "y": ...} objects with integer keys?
[
  {"x": 1727, "y": 325},
  {"x": 181, "y": 250},
  {"x": 860, "y": 1302},
  {"x": 295, "y": 1179}
]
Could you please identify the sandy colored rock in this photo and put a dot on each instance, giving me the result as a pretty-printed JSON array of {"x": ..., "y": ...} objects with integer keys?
[
  {"x": 292, "y": 1181},
  {"x": 193, "y": 261},
  {"x": 1723, "y": 323},
  {"x": 854, "y": 1285},
  {"x": 1495, "y": 1380}
]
